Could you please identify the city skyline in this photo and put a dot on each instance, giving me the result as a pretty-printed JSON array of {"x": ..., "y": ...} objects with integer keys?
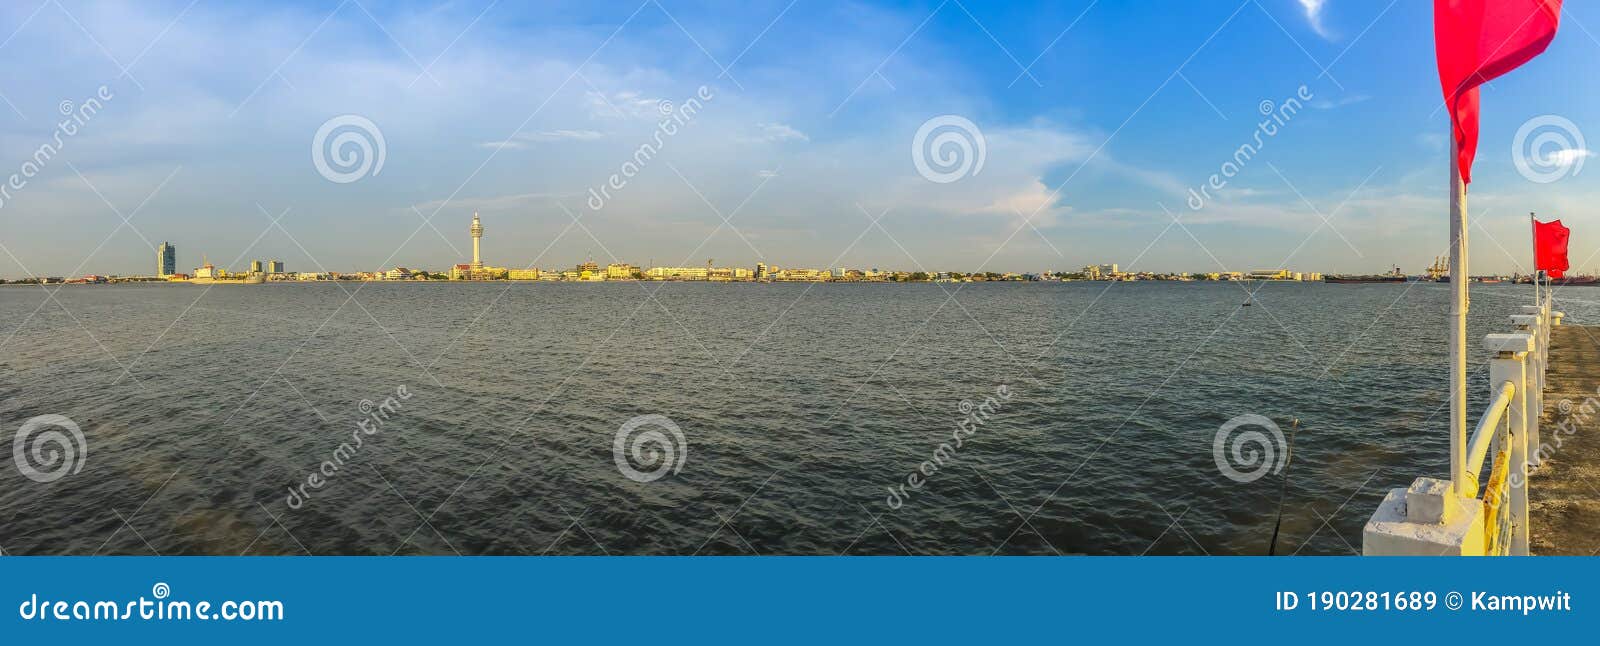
[
  {"x": 167, "y": 265},
  {"x": 796, "y": 149}
]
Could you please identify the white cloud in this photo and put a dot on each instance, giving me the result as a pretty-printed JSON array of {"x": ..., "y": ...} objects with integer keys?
[
  {"x": 1567, "y": 156},
  {"x": 624, "y": 105},
  {"x": 1313, "y": 9},
  {"x": 780, "y": 132},
  {"x": 579, "y": 135},
  {"x": 521, "y": 140},
  {"x": 1329, "y": 104}
]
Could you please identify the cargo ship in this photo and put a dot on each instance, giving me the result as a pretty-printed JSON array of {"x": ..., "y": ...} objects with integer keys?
[{"x": 1392, "y": 277}]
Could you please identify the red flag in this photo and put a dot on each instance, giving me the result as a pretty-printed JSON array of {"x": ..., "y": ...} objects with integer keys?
[
  {"x": 1476, "y": 41},
  {"x": 1550, "y": 247}
]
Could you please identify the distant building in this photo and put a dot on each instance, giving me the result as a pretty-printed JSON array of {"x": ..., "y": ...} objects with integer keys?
[
  {"x": 255, "y": 266},
  {"x": 804, "y": 274},
  {"x": 678, "y": 273},
  {"x": 398, "y": 273},
  {"x": 468, "y": 272},
  {"x": 166, "y": 260},
  {"x": 275, "y": 266},
  {"x": 620, "y": 271},
  {"x": 1101, "y": 272},
  {"x": 1278, "y": 274},
  {"x": 522, "y": 274}
]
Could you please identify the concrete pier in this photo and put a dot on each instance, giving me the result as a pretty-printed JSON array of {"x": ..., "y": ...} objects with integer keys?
[{"x": 1564, "y": 491}]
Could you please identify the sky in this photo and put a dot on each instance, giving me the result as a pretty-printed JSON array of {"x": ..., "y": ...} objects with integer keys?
[{"x": 1052, "y": 135}]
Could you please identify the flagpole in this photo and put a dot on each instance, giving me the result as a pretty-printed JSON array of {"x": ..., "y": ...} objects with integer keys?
[
  {"x": 1458, "y": 322},
  {"x": 1533, "y": 241}
]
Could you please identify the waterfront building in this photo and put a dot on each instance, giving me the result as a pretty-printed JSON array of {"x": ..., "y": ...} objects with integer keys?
[
  {"x": 166, "y": 260},
  {"x": 468, "y": 272},
  {"x": 679, "y": 273},
  {"x": 398, "y": 273},
  {"x": 522, "y": 274},
  {"x": 1101, "y": 272},
  {"x": 620, "y": 271},
  {"x": 275, "y": 266},
  {"x": 761, "y": 271},
  {"x": 1274, "y": 274},
  {"x": 804, "y": 274},
  {"x": 255, "y": 266}
]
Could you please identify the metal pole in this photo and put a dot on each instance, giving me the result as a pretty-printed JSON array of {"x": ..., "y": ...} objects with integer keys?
[
  {"x": 1533, "y": 242},
  {"x": 1458, "y": 323}
]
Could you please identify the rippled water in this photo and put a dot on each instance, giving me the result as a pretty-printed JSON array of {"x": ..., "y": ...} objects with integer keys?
[{"x": 800, "y": 405}]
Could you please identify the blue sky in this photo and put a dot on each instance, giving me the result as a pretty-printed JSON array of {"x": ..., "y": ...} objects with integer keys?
[{"x": 1096, "y": 120}]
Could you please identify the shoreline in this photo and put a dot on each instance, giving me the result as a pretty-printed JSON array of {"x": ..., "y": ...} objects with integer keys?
[{"x": 751, "y": 282}]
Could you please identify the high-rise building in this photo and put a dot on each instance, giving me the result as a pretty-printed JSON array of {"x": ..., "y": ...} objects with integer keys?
[
  {"x": 477, "y": 234},
  {"x": 166, "y": 260},
  {"x": 274, "y": 266},
  {"x": 255, "y": 266}
]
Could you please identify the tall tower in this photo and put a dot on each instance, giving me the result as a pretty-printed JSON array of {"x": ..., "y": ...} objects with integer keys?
[
  {"x": 166, "y": 260},
  {"x": 477, "y": 234}
]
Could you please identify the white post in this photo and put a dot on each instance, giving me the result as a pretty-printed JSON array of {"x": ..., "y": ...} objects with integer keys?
[
  {"x": 1458, "y": 323},
  {"x": 1536, "y": 324},
  {"x": 1512, "y": 363}
]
